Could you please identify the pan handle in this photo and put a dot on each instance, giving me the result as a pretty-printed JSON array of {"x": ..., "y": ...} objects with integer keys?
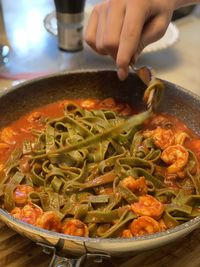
[{"x": 59, "y": 261}]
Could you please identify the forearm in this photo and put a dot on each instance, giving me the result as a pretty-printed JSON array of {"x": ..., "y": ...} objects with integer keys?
[{"x": 181, "y": 3}]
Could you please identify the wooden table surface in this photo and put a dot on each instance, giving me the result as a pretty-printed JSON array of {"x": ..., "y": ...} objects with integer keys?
[{"x": 17, "y": 251}]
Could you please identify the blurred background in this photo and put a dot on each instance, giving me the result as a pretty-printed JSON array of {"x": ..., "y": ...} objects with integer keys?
[{"x": 28, "y": 28}]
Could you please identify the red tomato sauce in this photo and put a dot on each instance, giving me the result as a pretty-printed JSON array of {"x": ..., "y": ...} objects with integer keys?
[{"x": 20, "y": 130}]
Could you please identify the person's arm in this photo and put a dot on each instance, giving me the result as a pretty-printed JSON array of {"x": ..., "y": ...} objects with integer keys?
[{"x": 122, "y": 28}]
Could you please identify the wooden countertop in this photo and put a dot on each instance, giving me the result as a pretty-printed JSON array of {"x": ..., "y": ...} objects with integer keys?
[{"x": 17, "y": 251}]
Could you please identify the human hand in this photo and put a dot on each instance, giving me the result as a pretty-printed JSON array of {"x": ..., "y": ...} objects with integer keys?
[{"x": 122, "y": 28}]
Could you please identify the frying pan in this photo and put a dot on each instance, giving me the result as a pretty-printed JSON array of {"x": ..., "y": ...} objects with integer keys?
[{"x": 21, "y": 99}]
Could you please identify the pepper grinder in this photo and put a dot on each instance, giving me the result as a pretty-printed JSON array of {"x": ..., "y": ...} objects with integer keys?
[{"x": 70, "y": 15}]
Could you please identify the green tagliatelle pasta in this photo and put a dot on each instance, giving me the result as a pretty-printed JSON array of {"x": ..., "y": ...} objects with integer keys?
[{"x": 96, "y": 167}]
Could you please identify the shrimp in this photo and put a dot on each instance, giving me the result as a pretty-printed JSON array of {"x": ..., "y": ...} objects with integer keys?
[
  {"x": 49, "y": 220},
  {"x": 163, "y": 138},
  {"x": 162, "y": 224},
  {"x": 180, "y": 138},
  {"x": 194, "y": 145},
  {"x": 29, "y": 213},
  {"x": 108, "y": 103},
  {"x": 16, "y": 212},
  {"x": 126, "y": 233},
  {"x": 162, "y": 121},
  {"x": 88, "y": 103},
  {"x": 20, "y": 194},
  {"x": 138, "y": 186},
  {"x": 75, "y": 227},
  {"x": 177, "y": 156},
  {"x": 126, "y": 111},
  {"x": 34, "y": 116},
  {"x": 111, "y": 104},
  {"x": 148, "y": 206},
  {"x": 144, "y": 225},
  {"x": 7, "y": 136}
]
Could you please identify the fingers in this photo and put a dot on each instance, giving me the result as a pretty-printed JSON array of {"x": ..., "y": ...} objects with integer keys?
[
  {"x": 122, "y": 72},
  {"x": 122, "y": 28},
  {"x": 101, "y": 29},
  {"x": 94, "y": 34},
  {"x": 91, "y": 29},
  {"x": 114, "y": 28},
  {"x": 130, "y": 35},
  {"x": 104, "y": 27},
  {"x": 151, "y": 32},
  {"x": 114, "y": 22}
]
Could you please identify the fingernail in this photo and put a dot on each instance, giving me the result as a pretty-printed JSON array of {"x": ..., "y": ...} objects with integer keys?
[{"x": 122, "y": 73}]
